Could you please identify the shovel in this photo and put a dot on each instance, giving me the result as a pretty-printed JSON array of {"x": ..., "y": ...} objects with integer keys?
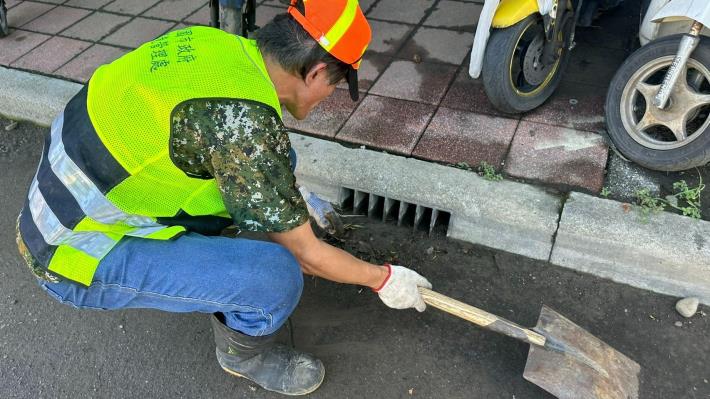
[{"x": 564, "y": 359}]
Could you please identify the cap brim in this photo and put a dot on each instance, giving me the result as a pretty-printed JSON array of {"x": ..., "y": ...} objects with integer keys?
[{"x": 351, "y": 77}]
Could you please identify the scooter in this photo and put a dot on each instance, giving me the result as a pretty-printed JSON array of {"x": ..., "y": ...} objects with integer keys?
[
  {"x": 522, "y": 47},
  {"x": 4, "y": 29},
  {"x": 658, "y": 104},
  {"x": 234, "y": 16}
]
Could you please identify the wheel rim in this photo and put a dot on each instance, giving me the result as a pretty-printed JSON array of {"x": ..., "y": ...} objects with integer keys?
[
  {"x": 528, "y": 76},
  {"x": 685, "y": 118}
]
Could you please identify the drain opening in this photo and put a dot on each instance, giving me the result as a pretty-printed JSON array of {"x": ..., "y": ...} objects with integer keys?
[{"x": 418, "y": 217}]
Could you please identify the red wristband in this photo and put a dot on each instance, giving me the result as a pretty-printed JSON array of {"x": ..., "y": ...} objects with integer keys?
[{"x": 389, "y": 274}]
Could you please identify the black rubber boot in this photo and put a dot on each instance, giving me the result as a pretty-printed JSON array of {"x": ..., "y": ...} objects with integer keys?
[{"x": 272, "y": 366}]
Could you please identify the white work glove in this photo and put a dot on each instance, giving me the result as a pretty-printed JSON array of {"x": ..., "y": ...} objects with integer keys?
[
  {"x": 401, "y": 289},
  {"x": 323, "y": 213}
]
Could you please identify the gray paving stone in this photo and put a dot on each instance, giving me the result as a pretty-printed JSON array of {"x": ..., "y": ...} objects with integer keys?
[
  {"x": 387, "y": 37},
  {"x": 505, "y": 215},
  {"x": 366, "y": 4},
  {"x": 174, "y": 10},
  {"x": 466, "y": 93},
  {"x": 83, "y": 66},
  {"x": 19, "y": 43},
  {"x": 25, "y": 12},
  {"x": 265, "y": 14},
  {"x": 558, "y": 156},
  {"x": 575, "y": 105},
  {"x": 132, "y": 7},
  {"x": 96, "y": 26},
  {"x": 56, "y": 20},
  {"x": 200, "y": 17},
  {"x": 371, "y": 68},
  {"x": 667, "y": 253},
  {"x": 91, "y": 4},
  {"x": 137, "y": 32},
  {"x": 455, "y": 15},
  {"x": 409, "y": 11},
  {"x": 51, "y": 55},
  {"x": 327, "y": 118},
  {"x": 422, "y": 82},
  {"x": 431, "y": 44},
  {"x": 455, "y": 136},
  {"x": 387, "y": 123}
]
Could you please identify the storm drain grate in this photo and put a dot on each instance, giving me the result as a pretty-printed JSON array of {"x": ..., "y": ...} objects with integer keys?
[{"x": 419, "y": 217}]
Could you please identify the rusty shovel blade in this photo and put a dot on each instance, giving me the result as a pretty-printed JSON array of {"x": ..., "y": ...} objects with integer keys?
[{"x": 574, "y": 364}]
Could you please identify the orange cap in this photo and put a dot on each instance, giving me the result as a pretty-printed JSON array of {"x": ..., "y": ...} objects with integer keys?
[{"x": 340, "y": 27}]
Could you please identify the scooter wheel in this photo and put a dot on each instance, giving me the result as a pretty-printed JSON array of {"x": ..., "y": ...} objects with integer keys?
[
  {"x": 515, "y": 78},
  {"x": 4, "y": 28},
  {"x": 670, "y": 139}
]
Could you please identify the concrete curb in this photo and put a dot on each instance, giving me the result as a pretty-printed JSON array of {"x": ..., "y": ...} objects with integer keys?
[
  {"x": 669, "y": 254},
  {"x": 664, "y": 253},
  {"x": 34, "y": 98},
  {"x": 506, "y": 215}
]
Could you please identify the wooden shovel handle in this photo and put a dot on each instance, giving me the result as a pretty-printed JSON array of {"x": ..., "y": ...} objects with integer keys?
[{"x": 480, "y": 317}]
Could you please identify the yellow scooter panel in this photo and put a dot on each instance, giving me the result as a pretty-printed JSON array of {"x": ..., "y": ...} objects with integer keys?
[{"x": 510, "y": 12}]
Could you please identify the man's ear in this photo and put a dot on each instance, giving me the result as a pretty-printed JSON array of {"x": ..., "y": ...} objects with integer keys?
[{"x": 317, "y": 72}]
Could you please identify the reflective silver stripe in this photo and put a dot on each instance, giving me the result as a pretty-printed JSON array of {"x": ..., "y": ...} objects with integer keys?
[
  {"x": 94, "y": 244},
  {"x": 145, "y": 231},
  {"x": 90, "y": 199}
]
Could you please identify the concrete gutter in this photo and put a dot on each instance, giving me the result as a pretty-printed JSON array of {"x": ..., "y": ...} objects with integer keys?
[
  {"x": 509, "y": 216},
  {"x": 669, "y": 254}
]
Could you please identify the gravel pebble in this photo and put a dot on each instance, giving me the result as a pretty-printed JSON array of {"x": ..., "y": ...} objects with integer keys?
[
  {"x": 430, "y": 251},
  {"x": 687, "y": 306},
  {"x": 678, "y": 324},
  {"x": 11, "y": 126}
]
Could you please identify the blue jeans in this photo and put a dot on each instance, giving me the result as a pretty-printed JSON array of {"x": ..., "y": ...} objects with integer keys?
[{"x": 256, "y": 284}]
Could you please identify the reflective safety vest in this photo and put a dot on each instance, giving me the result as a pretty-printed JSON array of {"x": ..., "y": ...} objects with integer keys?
[{"x": 106, "y": 170}]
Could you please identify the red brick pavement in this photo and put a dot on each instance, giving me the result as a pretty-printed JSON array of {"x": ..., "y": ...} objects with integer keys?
[{"x": 417, "y": 98}]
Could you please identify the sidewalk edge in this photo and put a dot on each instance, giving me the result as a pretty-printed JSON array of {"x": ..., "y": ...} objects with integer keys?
[
  {"x": 509, "y": 216},
  {"x": 32, "y": 97}
]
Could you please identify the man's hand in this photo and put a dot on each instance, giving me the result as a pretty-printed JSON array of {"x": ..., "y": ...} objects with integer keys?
[
  {"x": 400, "y": 289},
  {"x": 322, "y": 211}
]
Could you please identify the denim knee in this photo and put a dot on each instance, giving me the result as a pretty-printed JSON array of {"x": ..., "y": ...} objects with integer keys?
[{"x": 286, "y": 281}]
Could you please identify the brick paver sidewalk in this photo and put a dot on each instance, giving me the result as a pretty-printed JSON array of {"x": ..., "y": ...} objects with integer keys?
[{"x": 417, "y": 99}]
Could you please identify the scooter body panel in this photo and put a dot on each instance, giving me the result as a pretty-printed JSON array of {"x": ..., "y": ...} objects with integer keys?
[
  {"x": 675, "y": 10},
  {"x": 510, "y": 12}
]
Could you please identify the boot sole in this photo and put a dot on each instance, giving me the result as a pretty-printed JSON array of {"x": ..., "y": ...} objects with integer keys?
[{"x": 234, "y": 373}]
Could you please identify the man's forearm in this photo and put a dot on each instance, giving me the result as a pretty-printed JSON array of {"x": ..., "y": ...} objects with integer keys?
[
  {"x": 337, "y": 265},
  {"x": 323, "y": 260}
]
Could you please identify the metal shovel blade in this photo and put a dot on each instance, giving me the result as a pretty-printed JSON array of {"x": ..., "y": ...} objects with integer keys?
[{"x": 574, "y": 364}]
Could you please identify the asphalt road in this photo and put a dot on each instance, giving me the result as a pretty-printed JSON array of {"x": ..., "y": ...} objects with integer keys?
[{"x": 49, "y": 350}]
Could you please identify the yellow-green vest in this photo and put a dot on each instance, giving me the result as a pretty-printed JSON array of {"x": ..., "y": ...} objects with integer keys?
[{"x": 106, "y": 170}]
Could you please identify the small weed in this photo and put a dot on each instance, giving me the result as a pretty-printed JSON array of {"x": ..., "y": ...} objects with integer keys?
[
  {"x": 463, "y": 165},
  {"x": 605, "y": 192},
  {"x": 649, "y": 204},
  {"x": 488, "y": 172},
  {"x": 691, "y": 196},
  {"x": 687, "y": 200}
]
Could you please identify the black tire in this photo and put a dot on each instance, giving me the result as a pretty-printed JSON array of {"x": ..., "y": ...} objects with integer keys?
[
  {"x": 4, "y": 29},
  {"x": 693, "y": 154},
  {"x": 497, "y": 70}
]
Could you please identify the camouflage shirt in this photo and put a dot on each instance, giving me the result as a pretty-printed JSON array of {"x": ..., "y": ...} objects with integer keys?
[{"x": 245, "y": 147}]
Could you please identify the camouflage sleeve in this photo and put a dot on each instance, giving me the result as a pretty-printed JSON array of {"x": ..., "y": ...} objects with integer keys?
[{"x": 245, "y": 147}]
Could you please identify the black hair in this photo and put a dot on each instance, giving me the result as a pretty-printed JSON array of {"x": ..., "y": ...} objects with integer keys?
[{"x": 295, "y": 50}]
